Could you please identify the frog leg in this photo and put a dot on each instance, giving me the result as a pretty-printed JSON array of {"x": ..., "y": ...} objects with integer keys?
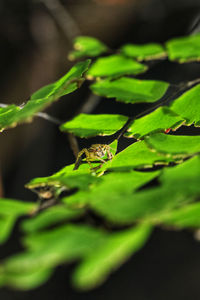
[{"x": 79, "y": 158}]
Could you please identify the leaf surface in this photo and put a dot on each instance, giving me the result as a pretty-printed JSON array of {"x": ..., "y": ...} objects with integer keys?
[
  {"x": 188, "y": 106},
  {"x": 80, "y": 178},
  {"x": 179, "y": 186},
  {"x": 85, "y": 125},
  {"x": 7, "y": 116},
  {"x": 184, "y": 217},
  {"x": 173, "y": 144},
  {"x": 118, "y": 248},
  {"x": 137, "y": 155},
  {"x": 49, "y": 217},
  {"x": 114, "y": 66},
  {"x": 46, "y": 250},
  {"x": 26, "y": 280},
  {"x": 159, "y": 120},
  {"x": 112, "y": 186},
  {"x": 130, "y": 90},
  {"x": 10, "y": 210}
]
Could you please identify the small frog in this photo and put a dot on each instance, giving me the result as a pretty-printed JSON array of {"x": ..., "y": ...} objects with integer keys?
[{"x": 96, "y": 151}]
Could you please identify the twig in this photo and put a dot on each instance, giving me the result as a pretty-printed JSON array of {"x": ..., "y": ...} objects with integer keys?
[
  {"x": 195, "y": 26},
  {"x": 49, "y": 118},
  {"x": 193, "y": 82},
  {"x": 73, "y": 143},
  {"x": 3, "y": 105},
  {"x": 63, "y": 18},
  {"x": 46, "y": 204},
  {"x": 88, "y": 106}
]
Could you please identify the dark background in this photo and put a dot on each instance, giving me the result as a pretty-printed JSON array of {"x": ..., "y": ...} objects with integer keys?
[{"x": 34, "y": 41}]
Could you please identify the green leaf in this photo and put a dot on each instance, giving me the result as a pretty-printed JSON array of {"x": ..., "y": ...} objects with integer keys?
[
  {"x": 86, "y": 46},
  {"x": 7, "y": 116},
  {"x": 26, "y": 280},
  {"x": 72, "y": 240},
  {"x": 143, "y": 52},
  {"x": 118, "y": 248},
  {"x": 12, "y": 115},
  {"x": 112, "y": 186},
  {"x": 16, "y": 207},
  {"x": 77, "y": 179},
  {"x": 159, "y": 120},
  {"x": 184, "y": 176},
  {"x": 174, "y": 145},
  {"x": 113, "y": 147},
  {"x": 188, "y": 106},
  {"x": 130, "y": 90},
  {"x": 183, "y": 182},
  {"x": 115, "y": 65},
  {"x": 137, "y": 155},
  {"x": 7, "y": 223},
  {"x": 66, "y": 177},
  {"x": 133, "y": 207},
  {"x": 184, "y": 49},
  {"x": 184, "y": 217},
  {"x": 10, "y": 210},
  {"x": 91, "y": 125},
  {"x": 179, "y": 186},
  {"x": 65, "y": 85},
  {"x": 50, "y": 216},
  {"x": 50, "y": 248},
  {"x": 48, "y": 180}
]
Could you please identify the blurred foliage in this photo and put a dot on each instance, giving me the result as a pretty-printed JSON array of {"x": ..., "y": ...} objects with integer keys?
[
  {"x": 144, "y": 52},
  {"x": 87, "y": 46}
]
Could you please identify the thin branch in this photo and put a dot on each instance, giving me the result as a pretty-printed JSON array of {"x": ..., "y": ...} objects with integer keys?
[
  {"x": 193, "y": 82},
  {"x": 63, "y": 18},
  {"x": 90, "y": 104},
  {"x": 73, "y": 143},
  {"x": 46, "y": 204},
  {"x": 195, "y": 26},
  {"x": 2, "y": 105},
  {"x": 49, "y": 118}
]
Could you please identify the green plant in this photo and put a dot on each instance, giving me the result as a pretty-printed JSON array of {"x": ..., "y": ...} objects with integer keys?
[{"x": 113, "y": 190}]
